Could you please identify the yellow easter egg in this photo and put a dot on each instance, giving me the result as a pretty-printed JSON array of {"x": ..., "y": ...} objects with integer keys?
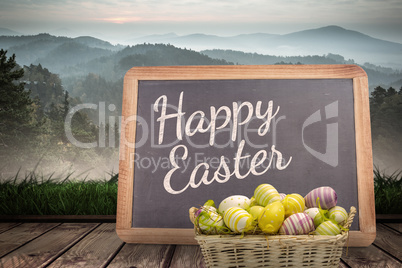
[
  {"x": 293, "y": 203},
  {"x": 266, "y": 194},
  {"x": 272, "y": 218},
  {"x": 238, "y": 220},
  {"x": 256, "y": 211}
]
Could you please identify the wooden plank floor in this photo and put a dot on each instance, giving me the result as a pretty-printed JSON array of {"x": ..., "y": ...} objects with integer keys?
[{"x": 97, "y": 245}]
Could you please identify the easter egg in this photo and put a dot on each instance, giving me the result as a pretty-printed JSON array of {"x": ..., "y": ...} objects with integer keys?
[
  {"x": 282, "y": 196},
  {"x": 315, "y": 214},
  {"x": 293, "y": 203},
  {"x": 297, "y": 224},
  {"x": 338, "y": 213},
  {"x": 265, "y": 194},
  {"x": 328, "y": 228},
  {"x": 210, "y": 221},
  {"x": 253, "y": 202},
  {"x": 272, "y": 218},
  {"x": 239, "y": 201},
  {"x": 238, "y": 219},
  {"x": 256, "y": 211},
  {"x": 327, "y": 195}
]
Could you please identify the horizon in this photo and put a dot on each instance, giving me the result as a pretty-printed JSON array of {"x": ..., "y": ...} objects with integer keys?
[{"x": 70, "y": 34}]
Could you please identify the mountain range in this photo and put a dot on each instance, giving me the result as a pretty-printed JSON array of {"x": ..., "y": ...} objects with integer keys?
[
  {"x": 330, "y": 39},
  {"x": 76, "y": 57}
]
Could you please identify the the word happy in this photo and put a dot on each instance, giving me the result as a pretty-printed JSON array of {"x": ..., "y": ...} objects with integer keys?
[{"x": 233, "y": 119}]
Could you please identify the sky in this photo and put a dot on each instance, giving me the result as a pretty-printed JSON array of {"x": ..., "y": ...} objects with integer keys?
[{"x": 117, "y": 21}]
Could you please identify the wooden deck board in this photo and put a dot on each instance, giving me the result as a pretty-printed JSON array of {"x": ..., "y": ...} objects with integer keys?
[
  {"x": 22, "y": 234},
  {"x": 97, "y": 245},
  {"x": 369, "y": 257},
  {"x": 187, "y": 256},
  {"x": 140, "y": 255},
  {"x": 389, "y": 240},
  {"x": 5, "y": 226},
  {"x": 47, "y": 247},
  {"x": 395, "y": 226},
  {"x": 92, "y": 251}
]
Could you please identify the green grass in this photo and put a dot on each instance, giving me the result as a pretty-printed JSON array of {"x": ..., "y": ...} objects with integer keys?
[
  {"x": 35, "y": 195},
  {"x": 47, "y": 196},
  {"x": 388, "y": 192}
]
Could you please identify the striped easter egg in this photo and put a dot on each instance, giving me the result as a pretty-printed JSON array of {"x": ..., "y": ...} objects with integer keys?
[
  {"x": 282, "y": 195},
  {"x": 327, "y": 195},
  {"x": 210, "y": 221},
  {"x": 266, "y": 194},
  {"x": 293, "y": 203},
  {"x": 328, "y": 228},
  {"x": 297, "y": 224},
  {"x": 238, "y": 219},
  {"x": 338, "y": 213}
]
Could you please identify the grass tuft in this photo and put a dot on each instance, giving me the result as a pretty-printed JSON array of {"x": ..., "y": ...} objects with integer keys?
[
  {"x": 388, "y": 192},
  {"x": 35, "y": 195},
  {"x": 38, "y": 195}
]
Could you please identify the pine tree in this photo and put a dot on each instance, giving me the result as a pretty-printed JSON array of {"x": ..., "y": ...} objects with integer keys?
[{"x": 15, "y": 103}]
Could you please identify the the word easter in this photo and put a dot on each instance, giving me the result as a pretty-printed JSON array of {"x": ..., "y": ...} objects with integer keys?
[
  {"x": 223, "y": 173},
  {"x": 229, "y": 114}
]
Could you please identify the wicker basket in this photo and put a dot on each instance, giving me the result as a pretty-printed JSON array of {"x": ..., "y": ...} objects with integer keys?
[{"x": 273, "y": 250}]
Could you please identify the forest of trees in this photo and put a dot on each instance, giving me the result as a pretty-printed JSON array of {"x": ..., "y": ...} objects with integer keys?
[
  {"x": 34, "y": 106},
  {"x": 36, "y": 97},
  {"x": 386, "y": 126}
]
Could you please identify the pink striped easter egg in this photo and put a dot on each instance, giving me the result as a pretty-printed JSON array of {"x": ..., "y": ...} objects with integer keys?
[
  {"x": 297, "y": 224},
  {"x": 327, "y": 195}
]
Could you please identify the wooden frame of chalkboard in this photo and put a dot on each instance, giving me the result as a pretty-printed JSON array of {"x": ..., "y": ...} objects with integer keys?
[{"x": 366, "y": 232}]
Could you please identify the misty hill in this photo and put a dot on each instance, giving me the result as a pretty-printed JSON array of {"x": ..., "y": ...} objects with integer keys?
[
  {"x": 331, "y": 39},
  {"x": 377, "y": 75},
  {"x": 114, "y": 66},
  {"x": 97, "y": 43},
  {"x": 35, "y": 48},
  {"x": 70, "y": 54},
  {"x": 74, "y": 58},
  {"x": 5, "y": 31}
]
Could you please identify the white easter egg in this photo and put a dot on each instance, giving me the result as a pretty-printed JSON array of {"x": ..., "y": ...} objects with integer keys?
[{"x": 239, "y": 201}]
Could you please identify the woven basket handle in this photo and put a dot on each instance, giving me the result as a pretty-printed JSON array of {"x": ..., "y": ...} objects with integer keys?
[
  {"x": 192, "y": 212},
  {"x": 349, "y": 221}
]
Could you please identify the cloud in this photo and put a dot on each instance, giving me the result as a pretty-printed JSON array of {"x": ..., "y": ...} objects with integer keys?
[
  {"x": 204, "y": 16},
  {"x": 206, "y": 10}
]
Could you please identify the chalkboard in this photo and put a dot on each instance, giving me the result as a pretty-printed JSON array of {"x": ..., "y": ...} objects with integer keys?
[{"x": 190, "y": 134}]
